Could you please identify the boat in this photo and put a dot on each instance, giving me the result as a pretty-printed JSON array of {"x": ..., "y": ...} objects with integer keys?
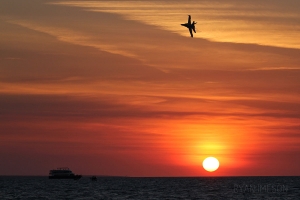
[{"x": 63, "y": 173}]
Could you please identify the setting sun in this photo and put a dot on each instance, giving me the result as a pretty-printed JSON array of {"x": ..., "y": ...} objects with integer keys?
[{"x": 210, "y": 164}]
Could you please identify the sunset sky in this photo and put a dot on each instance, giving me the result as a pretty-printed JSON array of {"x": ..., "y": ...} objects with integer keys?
[{"x": 120, "y": 88}]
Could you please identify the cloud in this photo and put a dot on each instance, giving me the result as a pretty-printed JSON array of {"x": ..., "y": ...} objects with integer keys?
[
  {"x": 236, "y": 22},
  {"x": 111, "y": 87},
  {"x": 73, "y": 37}
]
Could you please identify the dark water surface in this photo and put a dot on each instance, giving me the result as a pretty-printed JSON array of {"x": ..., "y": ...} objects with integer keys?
[{"x": 14, "y": 187}]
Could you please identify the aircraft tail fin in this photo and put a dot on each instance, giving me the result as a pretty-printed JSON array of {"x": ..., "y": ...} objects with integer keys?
[{"x": 194, "y": 28}]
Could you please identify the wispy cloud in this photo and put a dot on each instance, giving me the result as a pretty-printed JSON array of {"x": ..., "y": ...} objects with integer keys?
[
  {"x": 260, "y": 23},
  {"x": 74, "y": 37},
  {"x": 111, "y": 85}
]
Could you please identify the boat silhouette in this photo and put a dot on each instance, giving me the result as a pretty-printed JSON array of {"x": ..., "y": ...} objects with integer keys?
[{"x": 63, "y": 173}]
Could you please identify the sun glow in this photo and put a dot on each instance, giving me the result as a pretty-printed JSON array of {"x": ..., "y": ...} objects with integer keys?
[{"x": 210, "y": 164}]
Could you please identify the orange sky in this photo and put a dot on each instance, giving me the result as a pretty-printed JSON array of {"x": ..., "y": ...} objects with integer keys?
[{"x": 110, "y": 88}]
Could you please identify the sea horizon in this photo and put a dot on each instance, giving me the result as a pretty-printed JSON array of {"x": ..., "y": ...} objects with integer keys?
[{"x": 124, "y": 176}]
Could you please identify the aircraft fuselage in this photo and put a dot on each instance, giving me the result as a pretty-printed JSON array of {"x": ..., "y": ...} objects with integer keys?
[{"x": 190, "y": 26}]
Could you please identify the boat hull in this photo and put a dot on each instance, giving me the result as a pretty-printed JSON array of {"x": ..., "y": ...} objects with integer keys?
[{"x": 75, "y": 177}]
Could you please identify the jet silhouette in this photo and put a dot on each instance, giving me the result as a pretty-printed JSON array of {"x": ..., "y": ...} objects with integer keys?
[{"x": 190, "y": 26}]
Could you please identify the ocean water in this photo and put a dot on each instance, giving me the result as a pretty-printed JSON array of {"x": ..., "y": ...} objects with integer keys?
[{"x": 13, "y": 187}]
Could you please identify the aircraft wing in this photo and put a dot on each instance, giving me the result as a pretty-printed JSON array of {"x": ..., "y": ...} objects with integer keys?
[
  {"x": 189, "y": 20},
  {"x": 191, "y": 32},
  {"x": 194, "y": 29}
]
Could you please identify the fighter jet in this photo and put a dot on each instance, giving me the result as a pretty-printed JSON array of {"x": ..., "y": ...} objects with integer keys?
[{"x": 190, "y": 26}]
